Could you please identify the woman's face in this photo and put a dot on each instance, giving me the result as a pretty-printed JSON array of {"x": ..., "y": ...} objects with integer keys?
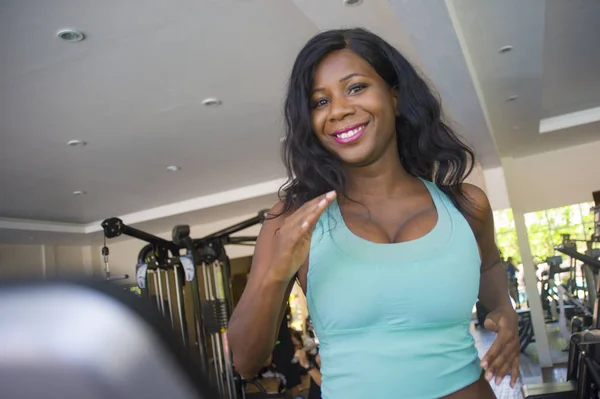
[{"x": 353, "y": 109}]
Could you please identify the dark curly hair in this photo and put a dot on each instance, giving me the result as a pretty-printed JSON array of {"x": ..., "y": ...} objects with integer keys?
[{"x": 427, "y": 146}]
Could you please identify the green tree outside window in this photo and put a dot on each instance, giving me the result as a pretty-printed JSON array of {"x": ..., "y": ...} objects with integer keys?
[{"x": 544, "y": 229}]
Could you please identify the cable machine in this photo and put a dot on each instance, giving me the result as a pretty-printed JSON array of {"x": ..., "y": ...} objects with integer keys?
[{"x": 190, "y": 280}]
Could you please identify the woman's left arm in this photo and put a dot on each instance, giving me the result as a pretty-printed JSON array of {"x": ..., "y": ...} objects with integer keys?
[{"x": 503, "y": 356}]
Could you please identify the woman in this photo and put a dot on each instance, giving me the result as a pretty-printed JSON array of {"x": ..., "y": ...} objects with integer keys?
[{"x": 391, "y": 248}]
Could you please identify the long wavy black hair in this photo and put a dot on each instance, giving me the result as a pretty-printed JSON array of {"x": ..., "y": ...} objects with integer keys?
[{"x": 427, "y": 146}]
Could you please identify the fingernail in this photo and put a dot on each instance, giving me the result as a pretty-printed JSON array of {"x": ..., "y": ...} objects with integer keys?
[
  {"x": 330, "y": 195},
  {"x": 488, "y": 376},
  {"x": 323, "y": 202},
  {"x": 484, "y": 365},
  {"x": 304, "y": 225},
  {"x": 498, "y": 380}
]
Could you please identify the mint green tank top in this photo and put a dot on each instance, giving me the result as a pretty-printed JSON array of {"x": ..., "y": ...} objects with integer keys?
[{"x": 393, "y": 319}]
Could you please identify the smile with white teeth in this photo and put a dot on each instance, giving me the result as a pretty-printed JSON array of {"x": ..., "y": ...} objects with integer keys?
[{"x": 350, "y": 133}]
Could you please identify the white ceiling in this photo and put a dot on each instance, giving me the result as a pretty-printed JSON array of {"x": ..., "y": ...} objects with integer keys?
[
  {"x": 554, "y": 67},
  {"x": 571, "y": 80},
  {"x": 133, "y": 90}
]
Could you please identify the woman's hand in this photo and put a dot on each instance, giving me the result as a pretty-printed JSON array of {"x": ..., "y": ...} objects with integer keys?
[
  {"x": 292, "y": 240},
  {"x": 302, "y": 358},
  {"x": 503, "y": 356}
]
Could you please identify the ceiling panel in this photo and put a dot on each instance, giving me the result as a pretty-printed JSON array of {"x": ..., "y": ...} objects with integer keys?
[
  {"x": 532, "y": 69},
  {"x": 133, "y": 90},
  {"x": 571, "y": 57}
]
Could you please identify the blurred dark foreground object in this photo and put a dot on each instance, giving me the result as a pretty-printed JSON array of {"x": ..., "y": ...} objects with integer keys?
[{"x": 88, "y": 339}]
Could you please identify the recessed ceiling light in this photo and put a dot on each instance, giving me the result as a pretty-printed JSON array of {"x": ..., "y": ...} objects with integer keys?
[
  {"x": 505, "y": 49},
  {"x": 512, "y": 98},
  {"x": 173, "y": 168},
  {"x": 211, "y": 102},
  {"x": 76, "y": 143},
  {"x": 283, "y": 139},
  {"x": 352, "y": 2},
  {"x": 79, "y": 193},
  {"x": 70, "y": 35}
]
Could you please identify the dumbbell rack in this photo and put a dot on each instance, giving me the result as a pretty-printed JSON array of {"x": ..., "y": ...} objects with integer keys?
[{"x": 190, "y": 281}]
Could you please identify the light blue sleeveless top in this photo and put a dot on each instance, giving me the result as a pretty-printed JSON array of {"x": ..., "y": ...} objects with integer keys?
[{"x": 393, "y": 319}]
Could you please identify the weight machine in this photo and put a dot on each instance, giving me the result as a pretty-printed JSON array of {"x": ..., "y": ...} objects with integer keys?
[
  {"x": 583, "y": 373},
  {"x": 190, "y": 280}
]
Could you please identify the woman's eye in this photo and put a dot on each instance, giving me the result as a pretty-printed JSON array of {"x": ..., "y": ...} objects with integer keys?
[
  {"x": 357, "y": 88},
  {"x": 320, "y": 103}
]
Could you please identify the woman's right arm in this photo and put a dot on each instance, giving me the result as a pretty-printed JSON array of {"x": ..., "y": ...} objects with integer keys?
[
  {"x": 254, "y": 323},
  {"x": 281, "y": 248}
]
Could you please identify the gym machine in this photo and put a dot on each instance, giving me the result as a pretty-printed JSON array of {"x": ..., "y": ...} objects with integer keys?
[
  {"x": 189, "y": 280},
  {"x": 563, "y": 301},
  {"x": 583, "y": 372}
]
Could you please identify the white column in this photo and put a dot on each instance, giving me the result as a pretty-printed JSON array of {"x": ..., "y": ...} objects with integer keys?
[
  {"x": 86, "y": 257},
  {"x": 533, "y": 296},
  {"x": 43, "y": 257},
  {"x": 49, "y": 261}
]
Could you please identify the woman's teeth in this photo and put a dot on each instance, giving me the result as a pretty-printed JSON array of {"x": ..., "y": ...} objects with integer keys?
[{"x": 350, "y": 133}]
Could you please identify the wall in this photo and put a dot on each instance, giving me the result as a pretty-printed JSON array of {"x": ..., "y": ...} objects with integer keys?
[
  {"x": 553, "y": 179},
  {"x": 72, "y": 260},
  {"x": 21, "y": 260},
  {"x": 543, "y": 181},
  {"x": 44, "y": 260},
  {"x": 496, "y": 191}
]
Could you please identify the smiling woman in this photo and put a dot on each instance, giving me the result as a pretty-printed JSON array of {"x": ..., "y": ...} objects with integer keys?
[
  {"x": 364, "y": 68},
  {"x": 378, "y": 177}
]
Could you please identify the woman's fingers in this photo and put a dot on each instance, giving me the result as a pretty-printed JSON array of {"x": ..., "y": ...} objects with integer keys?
[
  {"x": 514, "y": 373},
  {"x": 502, "y": 362},
  {"x": 309, "y": 222},
  {"x": 308, "y": 214}
]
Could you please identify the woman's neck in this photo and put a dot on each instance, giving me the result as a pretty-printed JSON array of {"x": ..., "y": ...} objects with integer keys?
[{"x": 380, "y": 180}]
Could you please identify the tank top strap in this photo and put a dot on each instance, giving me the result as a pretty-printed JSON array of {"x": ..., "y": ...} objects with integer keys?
[{"x": 440, "y": 199}]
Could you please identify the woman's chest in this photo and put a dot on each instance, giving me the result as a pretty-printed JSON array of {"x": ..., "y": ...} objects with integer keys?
[{"x": 347, "y": 294}]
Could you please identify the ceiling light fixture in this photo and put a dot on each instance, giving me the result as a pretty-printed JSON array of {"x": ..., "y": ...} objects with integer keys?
[
  {"x": 173, "y": 168},
  {"x": 70, "y": 35},
  {"x": 505, "y": 49},
  {"x": 79, "y": 193},
  {"x": 512, "y": 98},
  {"x": 283, "y": 139},
  {"x": 352, "y": 2},
  {"x": 76, "y": 143},
  {"x": 211, "y": 102}
]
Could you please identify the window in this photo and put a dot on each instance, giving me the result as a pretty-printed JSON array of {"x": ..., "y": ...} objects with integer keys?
[
  {"x": 506, "y": 234},
  {"x": 544, "y": 229}
]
